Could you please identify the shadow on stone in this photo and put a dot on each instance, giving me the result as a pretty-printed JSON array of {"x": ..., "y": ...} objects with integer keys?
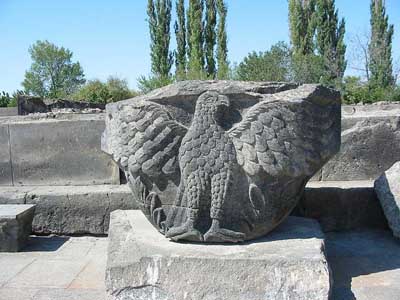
[
  {"x": 293, "y": 228},
  {"x": 355, "y": 258},
  {"x": 44, "y": 243}
]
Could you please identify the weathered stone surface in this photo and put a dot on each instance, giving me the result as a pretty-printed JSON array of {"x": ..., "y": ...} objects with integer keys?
[
  {"x": 231, "y": 157},
  {"x": 63, "y": 151},
  {"x": 15, "y": 226},
  {"x": 77, "y": 210},
  {"x": 28, "y": 105},
  {"x": 370, "y": 143},
  {"x": 342, "y": 205},
  {"x": 288, "y": 264},
  {"x": 5, "y": 159},
  {"x": 387, "y": 188},
  {"x": 14, "y": 195}
]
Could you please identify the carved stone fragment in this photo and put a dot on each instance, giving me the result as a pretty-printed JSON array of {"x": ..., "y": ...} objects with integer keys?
[{"x": 222, "y": 161}]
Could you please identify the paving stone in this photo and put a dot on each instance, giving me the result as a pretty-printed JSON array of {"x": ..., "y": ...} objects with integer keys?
[
  {"x": 69, "y": 294},
  {"x": 17, "y": 294},
  {"x": 10, "y": 266},
  {"x": 92, "y": 276},
  {"x": 15, "y": 226},
  {"x": 48, "y": 273},
  {"x": 287, "y": 264},
  {"x": 365, "y": 265}
]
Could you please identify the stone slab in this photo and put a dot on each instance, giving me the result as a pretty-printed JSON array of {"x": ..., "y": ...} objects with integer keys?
[
  {"x": 15, "y": 226},
  {"x": 342, "y": 205},
  {"x": 387, "y": 187},
  {"x": 14, "y": 194},
  {"x": 77, "y": 210},
  {"x": 69, "y": 210},
  {"x": 370, "y": 145},
  {"x": 8, "y": 111},
  {"x": 5, "y": 159},
  {"x": 60, "y": 151},
  {"x": 287, "y": 264}
]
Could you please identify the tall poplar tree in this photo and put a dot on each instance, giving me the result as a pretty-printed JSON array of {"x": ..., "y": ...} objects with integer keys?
[
  {"x": 330, "y": 41},
  {"x": 195, "y": 40},
  {"x": 159, "y": 19},
  {"x": 307, "y": 67},
  {"x": 210, "y": 37},
  {"x": 222, "y": 41},
  {"x": 302, "y": 25},
  {"x": 180, "y": 33},
  {"x": 380, "y": 47}
]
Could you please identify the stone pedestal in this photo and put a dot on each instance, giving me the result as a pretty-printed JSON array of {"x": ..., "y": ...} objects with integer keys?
[
  {"x": 287, "y": 264},
  {"x": 15, "y": 226}
]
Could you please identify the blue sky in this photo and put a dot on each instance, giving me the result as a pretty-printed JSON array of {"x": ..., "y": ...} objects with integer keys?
[{"x": 110, "y": 37}]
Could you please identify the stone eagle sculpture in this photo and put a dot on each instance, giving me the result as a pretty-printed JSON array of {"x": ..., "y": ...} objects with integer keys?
[{"x": 221, "y": 161}]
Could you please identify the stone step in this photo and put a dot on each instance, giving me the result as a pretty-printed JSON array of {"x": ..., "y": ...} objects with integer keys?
[
  {"x": 15, "y": 226},
  {"x": 70, "y": 210},
  {"x": 342, "y": 205},
  {"x": 85, "y": 209}
]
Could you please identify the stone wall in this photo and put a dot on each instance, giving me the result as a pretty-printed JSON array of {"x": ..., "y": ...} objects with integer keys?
[
  {"x": 61, "y": 150},
  {"x": 29, "y": 105},
  {"x": 65, "y": 149},
  {"x": 370, "y": 143},
  {"x": 8, "y": 111}
]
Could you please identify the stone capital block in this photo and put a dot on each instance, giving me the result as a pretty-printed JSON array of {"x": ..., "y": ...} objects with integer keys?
[{"x": 230, "y": 159}]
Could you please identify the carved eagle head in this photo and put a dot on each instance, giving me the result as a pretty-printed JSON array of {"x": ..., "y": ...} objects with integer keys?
[{"x": 212, "y": 104}]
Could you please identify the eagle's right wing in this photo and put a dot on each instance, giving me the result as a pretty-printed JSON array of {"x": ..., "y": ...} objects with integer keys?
[{"x": 145, "y": 142}]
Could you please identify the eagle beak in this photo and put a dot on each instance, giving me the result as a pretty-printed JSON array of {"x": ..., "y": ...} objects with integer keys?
[{"x": 223, "y": 100}]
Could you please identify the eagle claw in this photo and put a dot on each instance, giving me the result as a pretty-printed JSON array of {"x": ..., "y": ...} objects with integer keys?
[
  {"x": 221, "y": 235},
  {"x": 184, "y": 232}
]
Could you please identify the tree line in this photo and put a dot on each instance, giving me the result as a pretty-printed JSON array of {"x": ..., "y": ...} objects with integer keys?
[
  {"x": 316, "y": 54},
  {"x": 54, "y": 75},
  {"x": 201, "y": 42}
]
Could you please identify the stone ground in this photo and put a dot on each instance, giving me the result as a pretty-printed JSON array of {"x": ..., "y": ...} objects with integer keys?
[
  {"x": 55, "y": 268},
  {"x": 365, "y": 265}
]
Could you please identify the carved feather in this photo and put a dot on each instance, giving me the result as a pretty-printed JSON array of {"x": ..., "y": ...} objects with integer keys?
[{"x": 286, "y": 137}]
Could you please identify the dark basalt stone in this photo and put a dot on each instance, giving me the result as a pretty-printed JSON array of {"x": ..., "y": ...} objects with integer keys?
[{"x": 222, "y": 161}]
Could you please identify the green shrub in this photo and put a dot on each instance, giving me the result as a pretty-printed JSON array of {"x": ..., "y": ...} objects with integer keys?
[
  {"x": 96, "y": 91},
  {"x": 355, "y": 91},
  {"x": 5, "y": 99},
  {"x": 147, "y": 84}
]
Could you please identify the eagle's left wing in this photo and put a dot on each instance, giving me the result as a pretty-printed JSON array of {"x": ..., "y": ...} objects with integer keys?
[{"x": 281, "y": 137}]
